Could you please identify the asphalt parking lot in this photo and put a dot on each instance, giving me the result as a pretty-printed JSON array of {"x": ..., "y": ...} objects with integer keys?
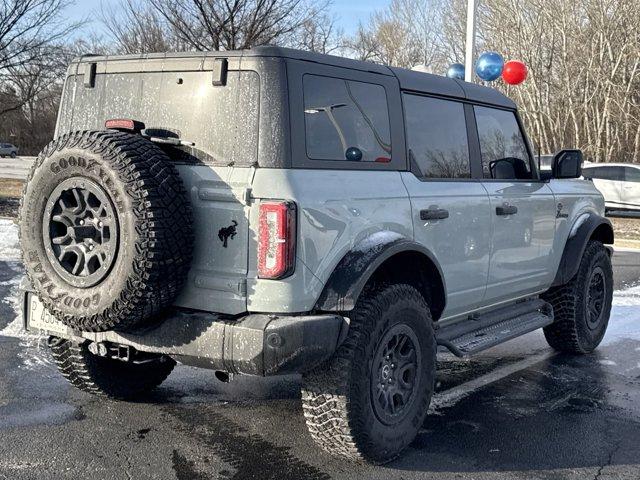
[{"x": 517, "y": 411}]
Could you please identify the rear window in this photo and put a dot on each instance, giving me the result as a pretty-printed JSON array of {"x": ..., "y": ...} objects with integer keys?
[
  {"x": 346, "y": 120},
  {"x": 437, "y": 137},
  {"x": 222, "y": 121}
]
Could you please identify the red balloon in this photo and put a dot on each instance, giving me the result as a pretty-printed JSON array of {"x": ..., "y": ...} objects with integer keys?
[{"x": 514, "y": 72}]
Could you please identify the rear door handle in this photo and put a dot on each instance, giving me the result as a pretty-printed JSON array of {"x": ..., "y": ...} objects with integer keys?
[
  {"x": 434, "y": 214},
  {"x": 506, "y": 210}
]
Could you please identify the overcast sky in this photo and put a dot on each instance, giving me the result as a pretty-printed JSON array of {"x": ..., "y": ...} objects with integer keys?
[{"x": 348, "y": 12}]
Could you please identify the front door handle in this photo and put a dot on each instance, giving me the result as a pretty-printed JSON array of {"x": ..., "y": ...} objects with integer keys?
[
  {"x": 434, "y": 214},
  {"x": 506, "y": 210}
]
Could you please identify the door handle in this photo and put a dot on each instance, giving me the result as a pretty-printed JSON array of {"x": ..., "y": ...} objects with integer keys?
[
  {"x": 506, "y": 210},
  {"x": 434, "y": 214}
]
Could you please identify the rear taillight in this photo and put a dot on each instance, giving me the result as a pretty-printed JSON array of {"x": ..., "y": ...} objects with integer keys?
[{"x": 276, "y": 239}]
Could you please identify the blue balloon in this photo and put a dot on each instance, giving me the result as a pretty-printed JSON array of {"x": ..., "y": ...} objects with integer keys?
[
  {"x": 456, "y": 70},
  {"x": 489, "y": 66}
]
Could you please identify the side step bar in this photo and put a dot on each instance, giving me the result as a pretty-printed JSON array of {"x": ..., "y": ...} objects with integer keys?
[{"x": 487, "y": 330}]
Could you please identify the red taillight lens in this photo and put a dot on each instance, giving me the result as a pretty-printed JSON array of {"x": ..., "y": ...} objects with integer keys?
[{"x": 276, "y": 239}]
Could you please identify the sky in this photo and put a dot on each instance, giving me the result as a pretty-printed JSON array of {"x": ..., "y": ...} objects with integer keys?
[{"x": 349, "y": 13}]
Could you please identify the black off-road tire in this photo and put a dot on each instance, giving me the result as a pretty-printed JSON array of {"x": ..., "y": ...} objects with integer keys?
[
  {"x": 14, "y": 154},
  {"x": 337, "y": 398},
  {"x": 107, "y": 377},
  {"x": 151, "y": 237},
  {"x": 573, "y": 329}
]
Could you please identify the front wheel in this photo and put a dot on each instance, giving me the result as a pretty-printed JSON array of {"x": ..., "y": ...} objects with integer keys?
[
  {"x": 582, "y": 306},
  {"x": 371, "y": 398},
  {"x": 13, "y": 155}
]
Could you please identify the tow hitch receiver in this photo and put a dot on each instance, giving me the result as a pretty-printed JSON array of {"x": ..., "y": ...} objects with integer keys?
[{"x": 124, "y": 353}]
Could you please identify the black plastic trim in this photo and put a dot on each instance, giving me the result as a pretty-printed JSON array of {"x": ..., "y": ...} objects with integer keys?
[
  {"x": 576, "y": 245},
  {"x": 349, "y": 278}
]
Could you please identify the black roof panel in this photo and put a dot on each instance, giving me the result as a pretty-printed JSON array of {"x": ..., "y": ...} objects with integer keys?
[
  {"x": 427, "y": 83},
  {"x": 409, "y": 79}
]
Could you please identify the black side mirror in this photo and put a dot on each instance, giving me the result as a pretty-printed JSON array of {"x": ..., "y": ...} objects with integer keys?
[{"x": 567, "y": 164}]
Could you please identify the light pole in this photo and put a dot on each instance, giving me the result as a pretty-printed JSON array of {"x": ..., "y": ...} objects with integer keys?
[{"x": 470, "y": 46}]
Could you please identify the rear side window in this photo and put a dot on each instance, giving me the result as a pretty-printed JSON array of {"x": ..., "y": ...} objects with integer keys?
[
  {"x": 503, "y": 148},
  {"x": 632, "y": 174},
  {"x": 604, "y": 173},
  {"x": 346, "y": 120},
  {"x": 437, "y": 136}
]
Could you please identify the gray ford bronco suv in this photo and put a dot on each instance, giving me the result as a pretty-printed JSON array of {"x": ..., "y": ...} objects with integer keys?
[{"x": 272, "y": 211}]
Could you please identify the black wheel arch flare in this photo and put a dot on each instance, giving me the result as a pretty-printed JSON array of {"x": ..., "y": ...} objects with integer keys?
[
  {"x": 359, "y": 265},
  {"x": 593, "y": 227}
]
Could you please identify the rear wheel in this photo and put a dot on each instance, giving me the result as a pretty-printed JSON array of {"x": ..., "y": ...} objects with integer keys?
[
  {"x": 106, "y": 376},
  {"x": 582, "y": 306},
  {"x": 370, "y": 400}
]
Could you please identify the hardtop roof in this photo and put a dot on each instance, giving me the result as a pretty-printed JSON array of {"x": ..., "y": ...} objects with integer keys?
[{"x": 408, "y": 79}]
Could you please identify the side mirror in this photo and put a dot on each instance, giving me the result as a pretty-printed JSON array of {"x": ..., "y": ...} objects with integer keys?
[{"x": 567, "y": 164}]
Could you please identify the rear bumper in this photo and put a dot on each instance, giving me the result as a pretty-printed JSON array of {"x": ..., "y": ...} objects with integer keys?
[{"x": 262, "y": 345}]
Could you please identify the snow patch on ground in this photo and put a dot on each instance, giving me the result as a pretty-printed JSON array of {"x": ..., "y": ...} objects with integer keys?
[
  {"x": 624, "y": 322},
  {"x": 9, "y": 249},
  {"x": 34, "y": 353}
]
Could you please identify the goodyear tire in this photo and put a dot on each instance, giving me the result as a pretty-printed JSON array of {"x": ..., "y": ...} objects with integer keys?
[
  {"x": 107, "y": 377},
  {"x": 105, "y": 230},
  {"x": 582, "y": 307},
  {"x": 370, "y": 400}
]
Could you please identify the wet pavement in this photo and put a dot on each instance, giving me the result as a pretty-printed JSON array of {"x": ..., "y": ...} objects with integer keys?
[{"x": 514, "y": 412}]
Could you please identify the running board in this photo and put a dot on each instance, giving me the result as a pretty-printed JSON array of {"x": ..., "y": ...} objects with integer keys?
[{"x": 487, "y": 330}]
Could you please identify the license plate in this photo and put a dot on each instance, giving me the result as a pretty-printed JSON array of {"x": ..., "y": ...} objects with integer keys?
[{"x": 40, "y": 319}]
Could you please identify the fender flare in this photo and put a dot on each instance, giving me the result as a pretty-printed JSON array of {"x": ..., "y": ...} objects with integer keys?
[
  {"x": 581, "y": 232},
  {"x": 352, "y": 273}
]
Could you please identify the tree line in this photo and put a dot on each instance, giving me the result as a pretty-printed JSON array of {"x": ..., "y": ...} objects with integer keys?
[{"x": 583, "y": 88}]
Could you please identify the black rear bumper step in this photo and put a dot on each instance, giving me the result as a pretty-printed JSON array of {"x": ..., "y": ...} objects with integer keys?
[{"x": 490, "y": 329}]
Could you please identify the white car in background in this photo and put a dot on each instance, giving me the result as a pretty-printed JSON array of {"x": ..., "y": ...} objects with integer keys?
[{"x": 619, "y": 183}]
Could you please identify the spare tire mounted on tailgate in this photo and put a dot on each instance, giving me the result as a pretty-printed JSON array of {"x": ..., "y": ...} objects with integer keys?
[{"x": 105, "y": 229}]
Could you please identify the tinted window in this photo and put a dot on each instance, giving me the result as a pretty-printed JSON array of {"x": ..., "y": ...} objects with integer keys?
[
  {"x": 604, "y": 173},
  {"x": 346, "y": 120},
  {"x": 632, "y": 174},
  {"x": 437, "y": 137},
  {"x": 504, "y": 152}
]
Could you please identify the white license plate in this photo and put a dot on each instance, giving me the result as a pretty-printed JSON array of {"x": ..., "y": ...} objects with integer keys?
[{"x": 40, "y": 319}]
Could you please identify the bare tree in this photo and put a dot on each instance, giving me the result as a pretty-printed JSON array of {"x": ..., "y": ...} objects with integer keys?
[
  {"x": 26, "y": 27},
  {"x": 404, "y": 34},
  {"x": 233, "y": 24},
  {"x": 318, "y": 33},
  {"x": 137, "y": 27},
  {"x": 584, "y": 62}
]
